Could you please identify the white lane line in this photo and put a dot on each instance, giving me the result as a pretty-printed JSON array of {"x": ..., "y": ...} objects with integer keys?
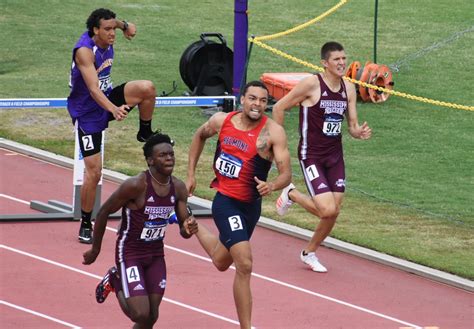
[
  {"x": 14, "y": 199},
  {"x": 41, "y": 315},
  {"x": 306, "y": 291},
  {"x": 288, "y": 285},
  {"x": 217, "y": 316}
]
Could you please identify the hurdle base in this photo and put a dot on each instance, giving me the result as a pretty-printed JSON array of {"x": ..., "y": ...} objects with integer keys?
[{"x": 54, "y": 210}]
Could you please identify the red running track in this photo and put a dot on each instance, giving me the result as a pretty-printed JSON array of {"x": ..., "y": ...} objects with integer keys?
[{"x": 45, "y": 285}]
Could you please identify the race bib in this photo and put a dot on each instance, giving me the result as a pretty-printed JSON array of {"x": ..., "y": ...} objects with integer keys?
[
  {"x": 153, "y": 231},
  {"x": 332, "y": 126},
  {"x": 105, "y": 83},
  {"x": 228, "y": 165}
]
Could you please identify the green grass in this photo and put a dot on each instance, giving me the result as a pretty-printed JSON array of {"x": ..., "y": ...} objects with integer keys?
[{"x": 410, "y": 188}]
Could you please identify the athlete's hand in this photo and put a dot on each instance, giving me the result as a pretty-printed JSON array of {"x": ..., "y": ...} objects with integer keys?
[
  {"x": 130, "y": 32},
  {"x": 121, "y": 112},
  {"x": 191, "y": 225},
  {"x": 263, "y": 188},
  {"x": 89, "y": 256},
  {"x": 190, "y": 185},
  {"x": 365, "y": 132}
]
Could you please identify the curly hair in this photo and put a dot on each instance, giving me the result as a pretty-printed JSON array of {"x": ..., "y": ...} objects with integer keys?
[{"x": 96, "y": 16}]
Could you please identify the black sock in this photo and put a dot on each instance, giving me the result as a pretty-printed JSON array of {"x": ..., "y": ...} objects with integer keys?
[
  {"x": 145, "y": 128},
  {"x": 86, "y": 219}
]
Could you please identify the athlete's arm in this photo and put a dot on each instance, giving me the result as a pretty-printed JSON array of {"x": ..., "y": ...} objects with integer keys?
[
  {"x": 84, "y": 58},
  {"x": 281, "y": 156},
  {"x": 208, "y": 129},
  {"x": 355, "y": 130},
  {"x": 296, "y": 96},
  {"x": 129, "y": 30},
  {"x": 127, "y": 191},
  {"x": 187, "y": 223}
]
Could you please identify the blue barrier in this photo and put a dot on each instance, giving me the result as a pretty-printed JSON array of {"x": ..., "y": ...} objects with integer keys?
[{"x": 212, "y": 101}]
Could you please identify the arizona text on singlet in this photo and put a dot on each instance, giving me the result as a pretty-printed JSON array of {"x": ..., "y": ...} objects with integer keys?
[
  {"x": 237, "y": 162},
  {"x": 80, "y": 100},
  {"x": 321, "y": 124},
  {"x": 142, "y": 231}
]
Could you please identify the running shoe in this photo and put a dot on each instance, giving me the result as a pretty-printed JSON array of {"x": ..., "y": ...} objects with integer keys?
[
  {"x": 104, "y": 288},
  {"x": 85, "y": 235},
  {"x": 311, "y": 260},
  {"x": 141, "y": 137},
  {"x": 283, "y": 202}
]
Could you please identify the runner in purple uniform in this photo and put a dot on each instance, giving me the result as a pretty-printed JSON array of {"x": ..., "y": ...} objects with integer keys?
[
  {"x": 149, "y": 202},
  {"x": 324, "y": 101},
  {"x": 93, "y": 101}
]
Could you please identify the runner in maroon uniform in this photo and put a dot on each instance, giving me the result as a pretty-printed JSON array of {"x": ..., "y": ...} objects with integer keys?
[
  {"x": 248, "y": 143},
  {"x": 149, "y": 201},
  {"x": 324, "y": 101}
]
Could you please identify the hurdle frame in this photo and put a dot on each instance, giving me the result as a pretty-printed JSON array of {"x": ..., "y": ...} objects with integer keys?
[{"x": 58, "y": 210}]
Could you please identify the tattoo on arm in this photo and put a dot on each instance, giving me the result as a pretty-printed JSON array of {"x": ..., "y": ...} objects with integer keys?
[{"x": 262, "y": 143}]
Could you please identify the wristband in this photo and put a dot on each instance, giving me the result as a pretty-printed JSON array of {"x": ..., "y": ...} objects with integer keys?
[{"x": 125, "y": 25}]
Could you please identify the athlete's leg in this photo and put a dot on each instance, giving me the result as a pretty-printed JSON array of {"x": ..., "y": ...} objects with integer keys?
[
  {"x": 242, "y": 256},
  {"x": 327, "y": 206},
  {"x": 221, "y": 258},
  {"x": 139, "y": 311},
  {"x": 155, "y": 301},
  {"x": 92, "y": 174},
  {"x": 143, "y": 94}
]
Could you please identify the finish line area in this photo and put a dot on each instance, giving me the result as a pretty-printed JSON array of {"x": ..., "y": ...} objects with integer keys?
[{"x": 58, "y": 210}]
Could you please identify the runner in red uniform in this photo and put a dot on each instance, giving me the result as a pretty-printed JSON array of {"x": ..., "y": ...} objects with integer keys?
[
  {"x": 148, "y": 201},
  {"x": 325, "y": 99},
  {"x": 248, "y": 143}
]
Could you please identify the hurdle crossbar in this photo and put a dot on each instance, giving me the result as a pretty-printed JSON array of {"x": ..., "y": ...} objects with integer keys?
[{"x": 184, "y": 101}]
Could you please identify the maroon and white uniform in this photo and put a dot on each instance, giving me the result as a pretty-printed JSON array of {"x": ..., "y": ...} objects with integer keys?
[
  {"x": 139, "y": 252},
  {"x": 320, "y": 146}
]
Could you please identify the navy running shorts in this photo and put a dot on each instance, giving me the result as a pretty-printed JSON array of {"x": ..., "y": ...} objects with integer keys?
[{"x": 235, "y": 220}]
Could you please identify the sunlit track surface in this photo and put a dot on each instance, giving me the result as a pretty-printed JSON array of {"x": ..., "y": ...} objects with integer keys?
[{"x": 44, "y": 284}]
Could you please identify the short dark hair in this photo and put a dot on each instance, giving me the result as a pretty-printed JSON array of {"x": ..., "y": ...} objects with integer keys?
[
  {"x": 255, "y": 83},
  {"x": 156, "y": 138},
  {"x": 96, "y": 16},
  {"x": 329, "y": 47}
]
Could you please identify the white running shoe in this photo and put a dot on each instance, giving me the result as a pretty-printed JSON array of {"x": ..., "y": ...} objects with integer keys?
[
  {"x": 283, "y": 202},
  {"x": 311, "y": 260}
]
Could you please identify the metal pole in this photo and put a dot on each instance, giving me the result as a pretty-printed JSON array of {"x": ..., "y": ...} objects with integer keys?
[
  {"x": 240, "y": 43},
  {"x": 375, "y": 30},
  {"x": 244, "y": 75}
]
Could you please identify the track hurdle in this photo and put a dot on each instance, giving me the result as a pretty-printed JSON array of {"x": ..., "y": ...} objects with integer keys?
[{"x": 58, "y": 210}]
